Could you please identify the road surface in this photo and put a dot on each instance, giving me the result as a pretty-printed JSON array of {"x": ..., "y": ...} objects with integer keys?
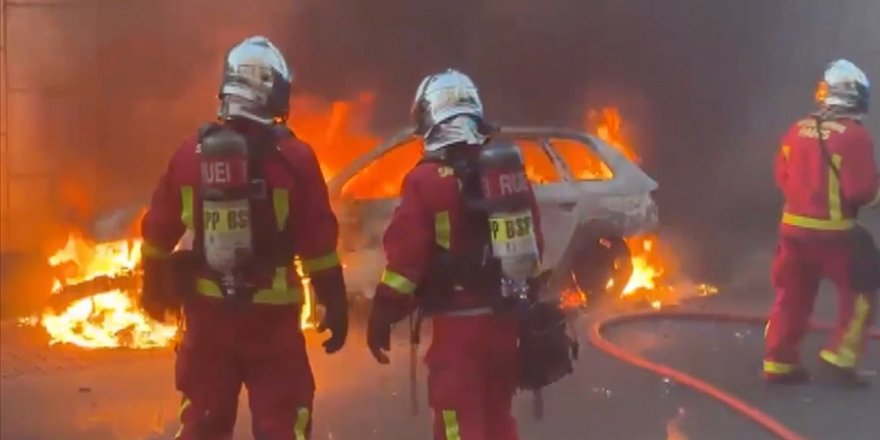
[{"x": 67, "y": 393}]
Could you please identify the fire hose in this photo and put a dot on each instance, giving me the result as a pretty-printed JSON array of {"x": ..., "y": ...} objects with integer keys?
[{"x": 742, "y": 408}]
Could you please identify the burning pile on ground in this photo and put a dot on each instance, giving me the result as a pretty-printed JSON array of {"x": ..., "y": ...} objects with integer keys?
[{"x": 103, "y": 318}]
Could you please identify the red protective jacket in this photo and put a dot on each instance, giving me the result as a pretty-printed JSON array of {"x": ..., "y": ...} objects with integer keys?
[
  {"x": 431, "y": 217},
  {"x": 816, "y": 201},
  {"x": 297, "y": 200}
]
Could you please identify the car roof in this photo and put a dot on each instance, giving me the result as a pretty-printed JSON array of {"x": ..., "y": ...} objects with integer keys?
[{"x": 628, "y": 177}]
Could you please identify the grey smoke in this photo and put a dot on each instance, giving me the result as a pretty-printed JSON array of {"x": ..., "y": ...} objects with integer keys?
[{"x": 708, "y": 85}]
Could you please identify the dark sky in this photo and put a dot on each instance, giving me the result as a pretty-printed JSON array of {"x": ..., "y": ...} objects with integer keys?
[{"x": 707, "y": 87}]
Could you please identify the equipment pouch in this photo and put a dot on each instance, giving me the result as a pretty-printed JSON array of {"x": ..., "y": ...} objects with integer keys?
[{"x": 546, "y": 350}]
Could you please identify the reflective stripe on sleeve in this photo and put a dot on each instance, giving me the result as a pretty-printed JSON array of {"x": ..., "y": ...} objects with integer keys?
[
  {"x": 442, "y": 229},
  {"x": 398, "y": 282},
  {"x": 328, "y": 261},
  {"x": 450, "y": 422},
  {"x": 303, "y": 416},
  {"x": 186, "y": 206}
]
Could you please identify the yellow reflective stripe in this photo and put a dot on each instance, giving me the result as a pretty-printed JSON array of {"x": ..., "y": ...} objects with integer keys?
[
  {"x": 876, "y": 200},
  {"x": 786, "y": 151},
  {"x": 778, "y": 367},
  {"x": 152, "y": 251},
  {"x": 279, "y": 294},
  {"x": 183, "y": 406},
  {"x": 281, "y": 204},
  {"x": 398, "y": 282},
  {"x": 186, "y": 206},
  {"x": 818, "y": 224},
  {"x": 450, "y": 421},
  {"x": 442, "y": 230},
  {"x": 847, "y": 353},
  {"x": 835, "y": 211},
  {"x": 302, "y": 423},
  {"x": 328, "y": 261}
]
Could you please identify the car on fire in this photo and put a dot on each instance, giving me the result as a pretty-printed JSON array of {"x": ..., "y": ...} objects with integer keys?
[{"x": 591, "y": 198}]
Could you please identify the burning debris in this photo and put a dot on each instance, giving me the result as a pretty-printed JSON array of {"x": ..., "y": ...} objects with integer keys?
[{"x": 98, "y": 282}]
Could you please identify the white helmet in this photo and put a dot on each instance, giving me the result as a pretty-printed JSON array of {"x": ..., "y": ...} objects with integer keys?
[
  {"x": 442, "y": 96},
  {"x": 845, "y": 86},
  {"x": 256, "y": 82}
]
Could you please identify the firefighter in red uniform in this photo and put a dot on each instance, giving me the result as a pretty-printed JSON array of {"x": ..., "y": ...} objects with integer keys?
[
  {"x": 253, "y": 198},
  {"x": 827, "y": 172},
  {"x": 439, "y": 257}
]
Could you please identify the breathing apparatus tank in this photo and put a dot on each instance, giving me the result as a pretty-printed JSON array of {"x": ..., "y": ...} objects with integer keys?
[
  {"x": 226, "y": 211},
  {"x": 507, "y": 200}
]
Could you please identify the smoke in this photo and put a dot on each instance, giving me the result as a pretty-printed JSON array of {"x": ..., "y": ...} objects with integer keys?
[{"x": 707, "y": 87}]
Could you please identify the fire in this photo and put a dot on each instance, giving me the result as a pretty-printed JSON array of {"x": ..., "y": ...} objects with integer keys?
[
  {"x": 652, "y": 265},
  {"x": 647, "y": 265},
  {"x": 106, "y": 319}
]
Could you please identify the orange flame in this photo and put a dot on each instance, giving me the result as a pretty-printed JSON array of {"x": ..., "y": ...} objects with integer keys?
[
  {"x": 106, "y": 319},
  {"x": 651, "y": 265}
]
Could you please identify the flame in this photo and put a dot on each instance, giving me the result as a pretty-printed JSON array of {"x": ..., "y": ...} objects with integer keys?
[
  {"x": 647, "y": 265},
  {"x": 652, "y": 264},
  {"x": 821, "y": 92},
  {"x": 105, "y": 319}
]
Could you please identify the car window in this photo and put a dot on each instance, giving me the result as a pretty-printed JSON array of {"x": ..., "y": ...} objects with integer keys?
[
  {"x": 583, "y": 162},
  {"x": 383, "y": 177},
  {"x": 539, "y": 167}
]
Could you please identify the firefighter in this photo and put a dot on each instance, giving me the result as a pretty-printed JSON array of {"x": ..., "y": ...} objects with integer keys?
[
  {"x": 436, "y": 248},
  {"x": 827, "y": 172},
  {"x": 253, "y": 198}
]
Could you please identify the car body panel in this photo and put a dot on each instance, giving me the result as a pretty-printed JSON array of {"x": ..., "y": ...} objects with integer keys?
[{"x": 572, "y": 209}]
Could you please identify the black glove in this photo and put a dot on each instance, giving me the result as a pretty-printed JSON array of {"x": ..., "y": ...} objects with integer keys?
[
  {"x": 167, "y": 281},
  {"x": 379, "y": 336},
  {"x": 330, "y": 291},
  {"x": 155, "y": 294},
  {"x": 388, "y": 308}
]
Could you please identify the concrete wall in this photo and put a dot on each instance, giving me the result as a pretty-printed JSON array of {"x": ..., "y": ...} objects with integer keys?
[{"x": 49, "y": 118}]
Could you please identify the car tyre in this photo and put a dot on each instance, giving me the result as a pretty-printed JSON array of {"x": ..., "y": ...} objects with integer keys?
[{"x": 603, "y": 260}]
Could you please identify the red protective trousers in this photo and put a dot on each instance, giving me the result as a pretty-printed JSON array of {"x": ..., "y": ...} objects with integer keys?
[
  {"x": 472, "y": 377},
  {"x": 800, "y": 264},
  {"x": 225, "y": 346}
]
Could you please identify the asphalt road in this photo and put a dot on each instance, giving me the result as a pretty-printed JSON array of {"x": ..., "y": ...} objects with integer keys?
[{"x": 63, "y": 393}]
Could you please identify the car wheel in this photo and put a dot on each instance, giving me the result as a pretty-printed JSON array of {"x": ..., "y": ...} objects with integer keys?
[{"x": 603, "y": 268}]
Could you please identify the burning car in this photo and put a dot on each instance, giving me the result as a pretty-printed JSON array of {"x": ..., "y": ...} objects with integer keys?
[{"x": 592, "y": 197}]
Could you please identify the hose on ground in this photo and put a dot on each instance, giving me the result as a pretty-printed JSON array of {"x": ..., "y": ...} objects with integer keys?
[{"x": 748, "y": 411}]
